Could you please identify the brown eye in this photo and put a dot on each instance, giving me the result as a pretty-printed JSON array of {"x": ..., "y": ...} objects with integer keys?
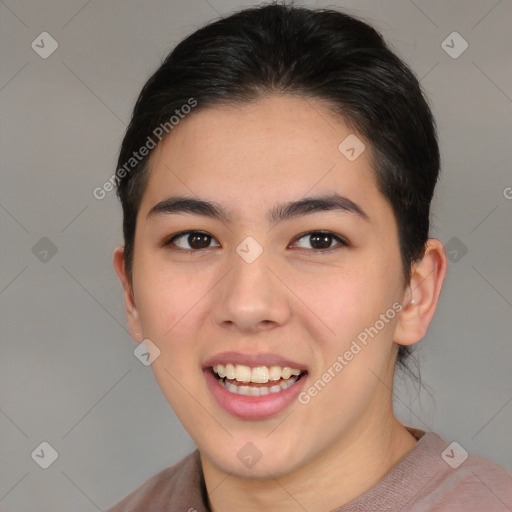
[
  {"x": 319, "y": 241},
  {"x": 199, "y": 240},
  {"x": 192, "y": 240}
]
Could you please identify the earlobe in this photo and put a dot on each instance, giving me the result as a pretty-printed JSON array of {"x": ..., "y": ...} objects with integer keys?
[
  {"x": 132, "y": 314},
  {"x": 422, "y": 295}
]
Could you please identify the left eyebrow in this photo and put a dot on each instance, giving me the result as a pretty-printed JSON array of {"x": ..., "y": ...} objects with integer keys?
[
  {"x": 311, "y": 205},
  {"x": 279, "y": 213}
]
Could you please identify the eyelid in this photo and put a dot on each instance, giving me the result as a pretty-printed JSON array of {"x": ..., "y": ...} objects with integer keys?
[
  {"x": 168, "y": 241},
  {"x": 342, "y": 242}
]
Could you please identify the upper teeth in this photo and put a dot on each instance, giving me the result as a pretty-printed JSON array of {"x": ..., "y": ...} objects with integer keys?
[{"x": 258, "y": 374}]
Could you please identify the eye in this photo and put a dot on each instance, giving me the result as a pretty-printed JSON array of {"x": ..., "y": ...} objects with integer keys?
[
  {"x": 191, "y": 241},
  {"x": 320, "y": 241}
]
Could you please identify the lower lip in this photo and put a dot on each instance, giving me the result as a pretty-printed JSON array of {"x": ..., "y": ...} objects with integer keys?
[{"x": 252, "y": 407}]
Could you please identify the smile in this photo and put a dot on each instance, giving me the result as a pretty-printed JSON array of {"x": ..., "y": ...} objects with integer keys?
[
  {"x": 257, "y": 381},
  {"x": 254, "y": 386}
]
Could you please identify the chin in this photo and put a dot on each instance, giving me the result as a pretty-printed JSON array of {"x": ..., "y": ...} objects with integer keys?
[{"x": 258, "y": 459}]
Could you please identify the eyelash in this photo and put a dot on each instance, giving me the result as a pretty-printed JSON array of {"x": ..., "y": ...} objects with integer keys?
[{"x": 341, "y": 241}]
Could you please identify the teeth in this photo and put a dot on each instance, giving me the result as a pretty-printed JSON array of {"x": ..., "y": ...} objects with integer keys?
[
  {"x": 274, "y": 373},
  {"x": 230, "y": 371},
  {"x": 258, "y": 374},
  {"x": 242, "y": 373},
  {"x": 253, "y": 390},
  {"x": 286, "y": 372},
  {"x": 244, "y": 390},
  {"x": 257, "y": 391}
]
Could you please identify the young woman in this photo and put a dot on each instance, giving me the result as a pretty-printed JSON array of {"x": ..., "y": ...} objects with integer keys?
[{"x": 276, "y": 180}]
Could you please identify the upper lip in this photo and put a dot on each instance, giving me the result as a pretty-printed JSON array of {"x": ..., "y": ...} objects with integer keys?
[{"x": 263, "y": 359}]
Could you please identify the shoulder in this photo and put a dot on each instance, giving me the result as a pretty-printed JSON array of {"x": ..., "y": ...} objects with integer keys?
[
  {"x": 462, "y": 481},
  {"x": 441, "y": 477},
  {"x": 479, "y": 484},
  {"x": 172, "y": 488}
]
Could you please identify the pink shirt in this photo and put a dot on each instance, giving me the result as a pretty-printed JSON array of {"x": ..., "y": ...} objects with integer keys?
[{"x": 432, "y": 476}]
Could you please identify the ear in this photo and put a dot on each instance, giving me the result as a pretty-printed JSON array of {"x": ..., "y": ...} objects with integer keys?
[
  {"x": 422, "y": 294},
  {"x": 132, "y": 314}
]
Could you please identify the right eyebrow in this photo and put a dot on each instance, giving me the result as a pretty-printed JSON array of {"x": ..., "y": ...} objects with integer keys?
[{"x": 182, "y": 204}]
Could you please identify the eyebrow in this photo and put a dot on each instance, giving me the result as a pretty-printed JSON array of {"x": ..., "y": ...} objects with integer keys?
[{"x": 279, "y": 213}]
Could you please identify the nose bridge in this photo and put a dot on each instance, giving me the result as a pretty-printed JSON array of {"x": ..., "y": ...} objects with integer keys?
[{"x": 251, "y": 295}]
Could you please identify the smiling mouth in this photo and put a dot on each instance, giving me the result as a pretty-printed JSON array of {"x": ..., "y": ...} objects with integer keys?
[{"x": 257, "y": 381}]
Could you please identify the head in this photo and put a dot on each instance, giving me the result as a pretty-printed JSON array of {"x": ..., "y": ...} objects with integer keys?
[{"x": 272, "y": 106}]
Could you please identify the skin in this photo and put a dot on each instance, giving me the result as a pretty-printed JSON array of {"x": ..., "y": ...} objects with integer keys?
[{"x": 293, "y": 301}]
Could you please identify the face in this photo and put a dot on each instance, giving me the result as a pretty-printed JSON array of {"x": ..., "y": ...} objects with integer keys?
[{"x": 288, "y": 257}]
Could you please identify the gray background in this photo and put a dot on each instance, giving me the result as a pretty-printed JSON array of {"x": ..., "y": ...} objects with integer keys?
[{"x": 68, "y": 375}]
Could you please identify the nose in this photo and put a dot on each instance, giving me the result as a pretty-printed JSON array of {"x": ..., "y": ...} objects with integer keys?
[{"x": 252, "y": 298}]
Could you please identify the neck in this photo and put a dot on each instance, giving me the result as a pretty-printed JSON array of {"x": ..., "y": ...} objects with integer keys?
[{"x": 335, "y": 477}]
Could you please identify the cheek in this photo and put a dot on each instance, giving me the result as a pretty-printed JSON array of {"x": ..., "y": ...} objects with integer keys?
[
  {"x": 170, "y": 303},
  {"x": 167, "y": 295},
  {"x": 345, "y": 306},
  {"x": 343, "y": 300},
  {"x": 175, "y": 305}
]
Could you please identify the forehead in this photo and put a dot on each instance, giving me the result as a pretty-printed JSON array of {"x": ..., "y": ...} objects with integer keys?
[{"x": 266, "y": 151}]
